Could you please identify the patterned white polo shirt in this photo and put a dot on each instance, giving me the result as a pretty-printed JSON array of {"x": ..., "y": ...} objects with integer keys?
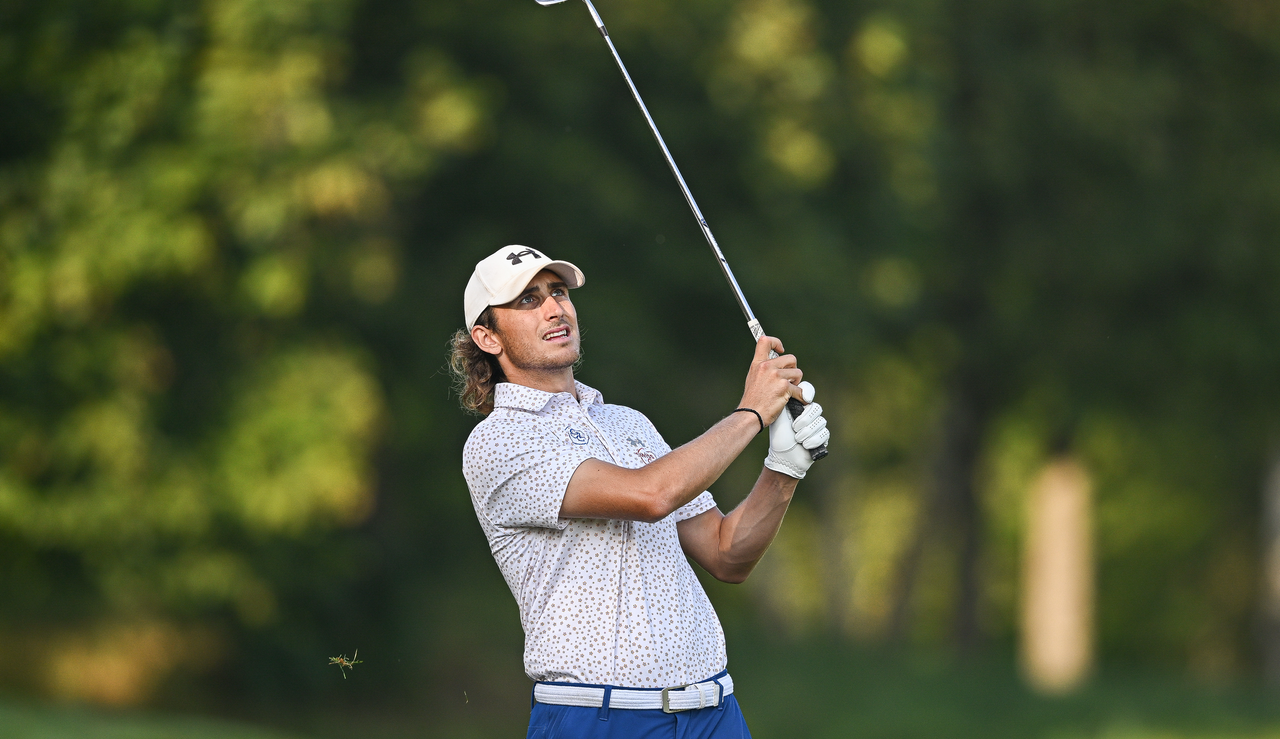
[{"x": 601, "y": 601}]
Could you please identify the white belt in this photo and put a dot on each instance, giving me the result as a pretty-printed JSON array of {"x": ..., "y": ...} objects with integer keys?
[{"x": 706, "y": 694}]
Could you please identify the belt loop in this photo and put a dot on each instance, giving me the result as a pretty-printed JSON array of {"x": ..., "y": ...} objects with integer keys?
[
  {"x": 720, "y": 699},
  {"x": 604, "y": 706}
]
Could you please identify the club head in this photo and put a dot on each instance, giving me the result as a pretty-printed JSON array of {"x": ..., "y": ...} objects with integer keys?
[{"x": 549, "y": 2}]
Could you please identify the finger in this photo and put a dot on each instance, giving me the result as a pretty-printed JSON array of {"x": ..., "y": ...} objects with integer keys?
[
  {"x": 766, "y": 344},
  {"x": 811, "y": 412},
  {"x": 783, "y": 360},
  {"x": 791, "y": 375},
  {"x": 817, "y": 440},
  {"x": 809, "y": 391},
  {"x": 807, "y": 426}
]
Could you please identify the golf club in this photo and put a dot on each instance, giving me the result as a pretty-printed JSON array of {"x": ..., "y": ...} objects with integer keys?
[{"x": 794, "y": 407}]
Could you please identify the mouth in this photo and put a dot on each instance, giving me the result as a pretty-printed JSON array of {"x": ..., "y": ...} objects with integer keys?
[{"x": 561, "y": 333}]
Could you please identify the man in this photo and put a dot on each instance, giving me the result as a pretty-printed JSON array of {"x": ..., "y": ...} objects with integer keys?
[{"x": 590, "y": 515}]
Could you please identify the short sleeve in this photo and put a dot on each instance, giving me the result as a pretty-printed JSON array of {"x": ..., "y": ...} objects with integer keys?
[
  {"x": 696, "y": 507},
  {"x": 518, "y": 473}
]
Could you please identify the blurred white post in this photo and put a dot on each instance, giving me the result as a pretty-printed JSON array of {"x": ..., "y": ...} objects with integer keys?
[
  {"x": 1270, "y": 596},
  {"x": 1057, "y": 579}
]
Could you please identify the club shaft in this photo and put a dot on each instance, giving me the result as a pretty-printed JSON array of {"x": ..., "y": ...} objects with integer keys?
[
  {"x": 794, "y": 407},
  {"x": 752, "y": 323}
]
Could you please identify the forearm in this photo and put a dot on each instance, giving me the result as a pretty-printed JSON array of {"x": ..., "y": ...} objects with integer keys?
[
  {"x": 746, "y": 533},
  {"x": 682, "y": 475},
  {"x": 652, "y": 492},
  {"x": 601, "y": 490}
]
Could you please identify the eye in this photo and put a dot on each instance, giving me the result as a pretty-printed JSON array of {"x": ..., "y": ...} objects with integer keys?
[{"x": 559, "y": 292}]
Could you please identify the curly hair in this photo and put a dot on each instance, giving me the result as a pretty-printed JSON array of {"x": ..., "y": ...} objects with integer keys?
[{"x": 475, "y": 372}]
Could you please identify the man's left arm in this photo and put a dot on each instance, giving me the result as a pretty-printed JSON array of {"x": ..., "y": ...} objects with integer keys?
[{"x": 729, "y": 546}]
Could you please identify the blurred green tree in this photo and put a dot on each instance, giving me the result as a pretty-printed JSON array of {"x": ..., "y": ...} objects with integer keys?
[{"x": 180, "y": 182}]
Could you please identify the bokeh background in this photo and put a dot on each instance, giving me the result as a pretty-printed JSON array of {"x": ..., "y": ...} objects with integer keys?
[{"x": 1027, "y": 251}]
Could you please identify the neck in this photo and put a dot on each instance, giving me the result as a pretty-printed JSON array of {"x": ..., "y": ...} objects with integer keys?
[{"x": 549, "y": 381}]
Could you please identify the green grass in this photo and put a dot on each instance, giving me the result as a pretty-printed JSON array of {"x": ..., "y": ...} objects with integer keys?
[
  {"x": 802, "y": 690},
  {"x": 57, "y": 722},
  {"x": 815, "y": 691}
]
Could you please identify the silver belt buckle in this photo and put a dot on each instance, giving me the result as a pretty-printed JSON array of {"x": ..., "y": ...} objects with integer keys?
[{"x": 666, "y": 698}]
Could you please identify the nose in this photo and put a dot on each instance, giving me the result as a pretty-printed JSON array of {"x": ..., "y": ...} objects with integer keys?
[{"x": 552, "y": 309}]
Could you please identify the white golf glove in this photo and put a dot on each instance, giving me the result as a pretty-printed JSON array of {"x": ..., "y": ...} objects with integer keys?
[{"x": 791, "y": 439}]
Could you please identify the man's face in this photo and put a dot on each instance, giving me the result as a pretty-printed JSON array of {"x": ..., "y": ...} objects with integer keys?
[{"x": 539, "y": 329}]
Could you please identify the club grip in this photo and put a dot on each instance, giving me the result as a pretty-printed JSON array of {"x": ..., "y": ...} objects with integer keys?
[{"x": 795, "y": 408}]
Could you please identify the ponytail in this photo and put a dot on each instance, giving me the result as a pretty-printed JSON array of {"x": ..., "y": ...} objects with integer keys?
[{"x": 475, "y": 372}]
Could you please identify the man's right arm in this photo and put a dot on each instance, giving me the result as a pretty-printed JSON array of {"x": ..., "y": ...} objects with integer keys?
[{"x": 651, "y": 493}]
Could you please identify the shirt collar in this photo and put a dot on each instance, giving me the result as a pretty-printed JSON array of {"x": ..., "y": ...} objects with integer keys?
[{"x": 520, "y": 397}]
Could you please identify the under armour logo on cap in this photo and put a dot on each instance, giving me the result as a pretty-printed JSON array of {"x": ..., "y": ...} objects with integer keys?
[
  {"x": 500, "y": 278},
  {"x": 515, "y": 256}
]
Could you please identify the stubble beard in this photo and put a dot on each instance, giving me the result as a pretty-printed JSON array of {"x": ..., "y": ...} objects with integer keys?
[{"x": 525, "y": 357}]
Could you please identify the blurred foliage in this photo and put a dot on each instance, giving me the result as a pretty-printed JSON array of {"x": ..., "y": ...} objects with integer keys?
[{"x": 234, "y": 236}]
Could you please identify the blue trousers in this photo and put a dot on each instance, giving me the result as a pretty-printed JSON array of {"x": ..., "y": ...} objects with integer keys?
[{"x": 575, "y": 722}]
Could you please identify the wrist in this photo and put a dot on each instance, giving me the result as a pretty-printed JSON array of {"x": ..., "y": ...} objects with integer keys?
[
  {"x": 778, "y": 483},
  {"x": 751, "y": 413},
  {"x": 780, "y": 464}
]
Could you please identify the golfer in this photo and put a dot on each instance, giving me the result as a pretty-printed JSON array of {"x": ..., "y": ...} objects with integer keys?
[{"x": 590, "y": 515}]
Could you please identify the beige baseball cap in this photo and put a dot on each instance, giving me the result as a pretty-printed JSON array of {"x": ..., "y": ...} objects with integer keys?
[{"x": 501, "y": 277}]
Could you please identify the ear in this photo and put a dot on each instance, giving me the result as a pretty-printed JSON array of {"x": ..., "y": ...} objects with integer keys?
[{"x": 488, "y": 340}]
